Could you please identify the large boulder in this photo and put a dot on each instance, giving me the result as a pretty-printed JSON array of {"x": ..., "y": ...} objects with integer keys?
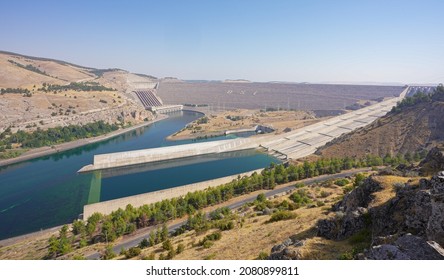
[
  {"x": 287, "y": 250},
  {"x": 435, "y": 226},
  {"x": 407, "y": 247},
  {"x": 351, "y": 212},
  {"x": 433, "y": 162}
]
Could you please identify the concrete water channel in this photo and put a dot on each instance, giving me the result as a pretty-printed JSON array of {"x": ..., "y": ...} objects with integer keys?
[{"x": 47, "y": 192}]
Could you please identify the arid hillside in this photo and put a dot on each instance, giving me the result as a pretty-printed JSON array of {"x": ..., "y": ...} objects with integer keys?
[
  {"x": 408, "y": 129},
  {"x": 43, "y": 93}
]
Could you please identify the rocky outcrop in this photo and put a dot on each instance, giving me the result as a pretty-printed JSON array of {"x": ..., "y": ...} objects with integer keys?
[
  {"x": 351, "y": 212},
  {"x": 433, "y": 162},
  {"x": 435, "y": 225},
  {"x": 408, "y": 226},
  {"x": 288, "y": 250},
  {"x": 407, "y": 247}
]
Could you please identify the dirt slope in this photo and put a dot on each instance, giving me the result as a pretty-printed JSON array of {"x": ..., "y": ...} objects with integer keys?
[{"x": 411, "y": 130}]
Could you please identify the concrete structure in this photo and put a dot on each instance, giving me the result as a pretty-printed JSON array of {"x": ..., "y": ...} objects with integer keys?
[
  {"x": 295, "y": 144},
  {"x": 257, "y": 128},
  {"x": 307, "y": 140},
  {"x": 166, "y": 109},
  {"x": 106, "y": 207},
  {"x": 167, "y": 153}
]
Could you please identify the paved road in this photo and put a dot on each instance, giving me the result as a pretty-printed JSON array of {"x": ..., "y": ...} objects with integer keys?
[{"x": 136, "y": 239}]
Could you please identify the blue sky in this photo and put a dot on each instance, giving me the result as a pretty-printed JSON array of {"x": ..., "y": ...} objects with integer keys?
[{"x": 299, "y": 41}]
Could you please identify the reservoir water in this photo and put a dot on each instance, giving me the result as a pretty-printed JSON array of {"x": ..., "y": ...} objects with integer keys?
[{"x": 46, "y": 192}]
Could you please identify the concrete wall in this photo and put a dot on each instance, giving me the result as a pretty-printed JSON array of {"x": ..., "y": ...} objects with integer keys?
[
  {"x": 107, "y": 207},
  {"x": 104, "y": 161}
]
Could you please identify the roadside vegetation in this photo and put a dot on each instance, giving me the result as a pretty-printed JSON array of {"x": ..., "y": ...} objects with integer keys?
[{"x": 108, "y": 228}]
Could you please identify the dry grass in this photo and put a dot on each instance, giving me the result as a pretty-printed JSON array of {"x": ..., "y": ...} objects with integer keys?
[
  {"x": 388, "y": 191},
  {"x": 253, "y": 234},
  {"x": 219, "y": 123}
]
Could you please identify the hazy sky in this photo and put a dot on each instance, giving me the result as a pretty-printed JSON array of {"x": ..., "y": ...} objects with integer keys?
[{"x": 300, "y": 41}]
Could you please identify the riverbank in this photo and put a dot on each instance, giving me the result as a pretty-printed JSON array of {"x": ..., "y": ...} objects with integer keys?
[{"x": 45, "y": 151}]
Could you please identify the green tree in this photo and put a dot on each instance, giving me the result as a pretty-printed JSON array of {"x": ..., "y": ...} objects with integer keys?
[
  {"x": 167, "y": 245},
  {"x": 109, "y": 253}
]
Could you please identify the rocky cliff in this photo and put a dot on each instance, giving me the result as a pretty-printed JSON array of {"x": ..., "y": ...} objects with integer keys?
[{"x": 409, "y": 225}]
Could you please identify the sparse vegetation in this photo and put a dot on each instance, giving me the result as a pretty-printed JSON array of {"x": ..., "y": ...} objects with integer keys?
[
  {"x": 15, "y": 90},
  {"x": 83, "y": 86},
  {"x": 282, "y": 215},
  {"x": 342, "y": 182},
  {"x": 29, "y": 67}
]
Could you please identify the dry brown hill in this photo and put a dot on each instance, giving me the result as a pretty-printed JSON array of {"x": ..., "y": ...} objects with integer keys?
[
  {"x": 411, "y": 129},
  {"x": 43, "y": 107}
]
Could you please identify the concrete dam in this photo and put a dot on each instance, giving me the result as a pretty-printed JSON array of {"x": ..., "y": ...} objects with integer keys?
[{"x": 292, "y": 145}]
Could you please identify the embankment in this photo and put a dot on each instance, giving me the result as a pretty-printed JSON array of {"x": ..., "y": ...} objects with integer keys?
[
  {"x": 45, "y": 151},
  {"x": 106, "y": 207}
]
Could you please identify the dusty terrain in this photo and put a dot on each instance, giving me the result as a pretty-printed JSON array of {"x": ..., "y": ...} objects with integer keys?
[
  {"x": 217, "y": 123},
  {"x": 411, "y": 130},
  {"x": 59, "y": 108}
]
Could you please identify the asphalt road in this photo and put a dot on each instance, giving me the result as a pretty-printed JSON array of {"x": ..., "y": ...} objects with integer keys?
[{"x": 128, "y": 243}]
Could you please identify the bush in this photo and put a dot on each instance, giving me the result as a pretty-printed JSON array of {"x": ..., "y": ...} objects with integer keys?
[
  {"x": 342, "y": 182},
  {"x": 180, "y": 248},
  {"x": 282, "y": 215},
  {"x": 144, "y": 243},
  {"x": 225, "y": 225},
  {"x": 207, "y": 244},
  {"x": 262, "y": 256},
  {"x": 133, "y": 252},
  {"x": 299, "y": 185},
  {"x": 150, "y": 257},
  {"x": 109, "y": 253},
  {"x": 167, "y": 245},
  {"x": 207, "y": 241},
  {"x": 220, "y": 213},
  {"x": 261, "y": 197},
  {"x": 300, "y": 197}
]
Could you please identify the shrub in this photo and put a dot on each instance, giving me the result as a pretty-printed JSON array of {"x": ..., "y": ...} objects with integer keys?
[
  {"x": 109, "y": 253},
  {"x": 207, "y": 244},
  {"x": 144, "y": 243},
  {"x": 300, "y": 197},
  {"x": 180, "y": 248},
  {"x": 167, "y": 245},
  {"x": 225, "y": 225},
  {"x": 342, "y": 182},
  {"x": 262, "y": 256},
  {"x": 133, "y": 252},
  {"x": 150, "y": 257},
  {"x": 261, "y": 197},
  {"x": 282, "y": 215},
  {"x": 207, "y": 241}
]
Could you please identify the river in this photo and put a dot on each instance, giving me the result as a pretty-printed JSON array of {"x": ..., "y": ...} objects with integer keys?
[{"x": 46, "y": 192}]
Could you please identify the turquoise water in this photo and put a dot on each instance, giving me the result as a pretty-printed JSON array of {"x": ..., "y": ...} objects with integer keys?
[{"x": 47, "y": 192}]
